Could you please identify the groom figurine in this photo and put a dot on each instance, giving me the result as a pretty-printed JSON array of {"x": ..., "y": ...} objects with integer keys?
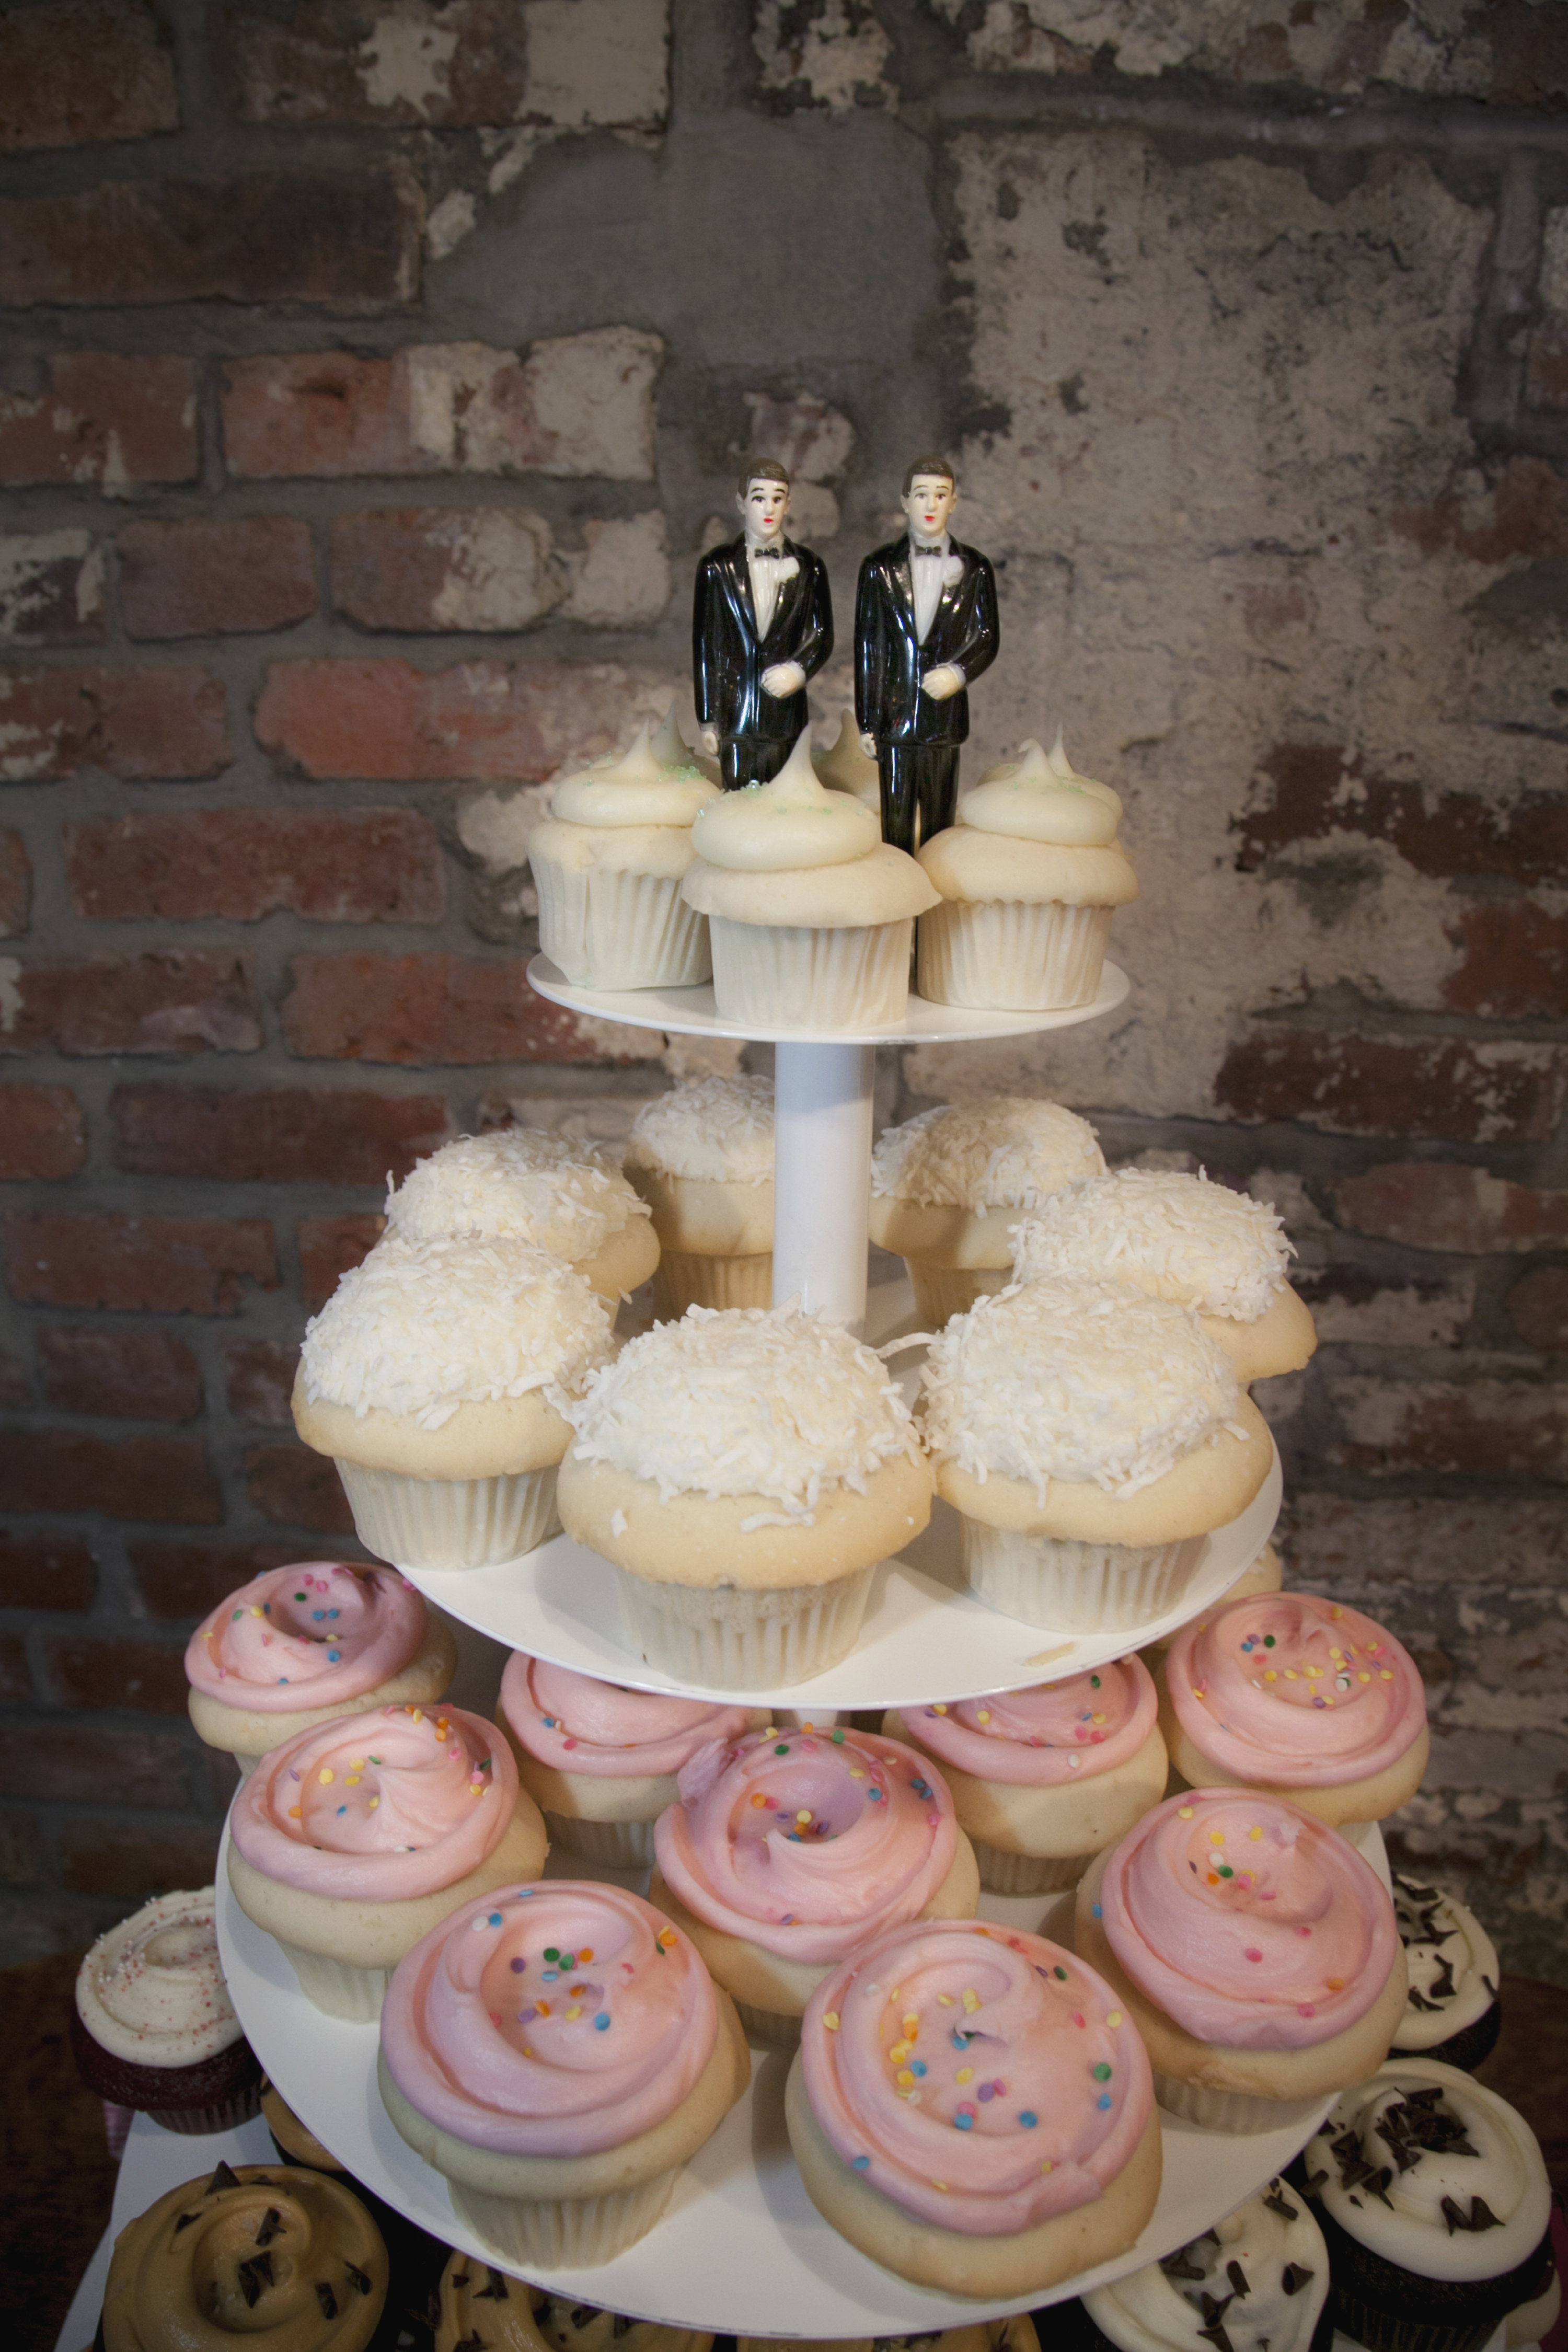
[
  {"x": 762, "y": 626},
  {"x": 925, "y": 625}
]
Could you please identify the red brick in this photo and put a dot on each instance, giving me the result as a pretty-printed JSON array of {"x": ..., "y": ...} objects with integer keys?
[
  {"x": 428, "y": 1008},
  {"x": 15, "y": 1387},
  {"x": 1515, "y": 964},
  {"x": 42, "y": 1132},
  {"x": 16, "y": 885},
  {"x": 334, "y": 414},
  {"x": 39, "y": 1571},
  {"x": 1538, "y": 1306},
  {"x": 1440, "y": 1204},
  {"x": 142, "y": 1477},
  {"x": 75, "y": 75},
  {"x": 482, "y": 722},
  {"x": 314, "y": 67},
  {"x": 1546, "y": 378},
  {"x": 294, "y": 1488},
  {"x": 431, "y": 568},
  {"x": 285, "y": 1135},
  {"x": 21, "y": 1849},
  {"x": 119, "y": 1375},
  {"x": 103, "y": 417},
  {"x": 182, "y": 1580},
  {"x": 16, "y": 1678},
  {"x": 328, "y": 1247},
  {"x": 51, "y": 592},
  {"x": 1445, "y": 1088},
  {"x": 348, "y": 240},
  {"x": 168, "y": 1266},
  {"x": 1313, "y": 791},
  {"x": 206, "y": 579},
  {"x": 81, "y": 1763},
  {"x": 237, "y": 865},
  {"x": 1489, "y": 1429},
  {"x": 109, "y": 1857},
  {"x": 1524, "y": 513},
  {"x": 185, "y": 1002},
  {"x": 99, "y": 1675},
  {"x": 261, "y": 1380},
  {"x": 140, "y": 725},
  {"x": 1529, "y": 46}
]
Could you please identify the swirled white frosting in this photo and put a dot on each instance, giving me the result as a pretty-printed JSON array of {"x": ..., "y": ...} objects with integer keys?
[
  {"x": 844, "y": 767},
  {"x": 1273, "y": 2307},
  {"x": 638, "y": 788},
  {"x": 152, "y": 1990},
  {"x": 1218, "y": 1251},
  {"x": 1452, "y": 1962},
  {"x": 717, "y": 1129},
  {"x": 790, "y": 823},
  {"x": 1009, "y": 1152},
  {"x": 519, "y": 1183},
  {"x": 1041, "y": 796}
]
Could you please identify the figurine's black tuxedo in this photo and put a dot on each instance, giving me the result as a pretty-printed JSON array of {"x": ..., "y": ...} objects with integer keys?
[
  {"x": 917, "y": 738},
  {"x": 756, "y": 730}
]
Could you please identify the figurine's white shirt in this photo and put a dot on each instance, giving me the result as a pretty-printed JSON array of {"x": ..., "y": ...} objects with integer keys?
[
  {"x": 927, "y": 572},
  {"x": 768, "y": 569}
]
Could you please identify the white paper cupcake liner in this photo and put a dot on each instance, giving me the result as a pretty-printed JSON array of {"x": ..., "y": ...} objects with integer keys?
[
  {"x": 768, "y": 2026},
  {"x": 1075, "y": 1588},
  {"x": 775, "y": 972},
  {"x": 1229, "y": 2111},
  {"x": 684, "y": 1279},
  {"x": 564, "y": 2232},
  {"x": 619, "y": 930},
  {"x": 450, "y": 1522},
  {"x": 732, "y": 1640},
  {"x": 944, "y": 1291},
  {"x": 615, "y": 1845},
  {"x": 335, "y": 1988},
  {"x": 1027, "y": 1874},
  {"x": 1002, "y": 954}
]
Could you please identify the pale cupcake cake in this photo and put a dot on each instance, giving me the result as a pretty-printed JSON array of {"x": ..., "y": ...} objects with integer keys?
[
  {"x": 1260, "y": 2277},
  {"x": 430, "y": 1377},
  {"x": 153, "y": 2026},
  {"x": 948, "y": 1185},
  {"x": 1220, "y": 1253},
  {"x": 744, "y": 1471},
  {"x": 703, "y": 1158},
  {"x": 522, "y": 1184},
  {"x": 1089, "y": 1438},
  {"x": 1454, "y": 2010},
  {"x": 1255, "y": 1950},
  {"x": 786, "y": 1851},
  {"x": 480, "y": 2309}
]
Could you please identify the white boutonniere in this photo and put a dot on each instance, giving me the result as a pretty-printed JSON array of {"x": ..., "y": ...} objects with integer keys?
[
  {"x": 788, "y": 567},
  {"x": 951, "y": 571}
]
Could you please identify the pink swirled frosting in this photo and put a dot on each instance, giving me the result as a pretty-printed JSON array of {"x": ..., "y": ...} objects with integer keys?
[
  {"x": 552, "y": 2020},
  {"x": 581, "y": 1724},
  {"x": 808, "y": 1843},
  {"x": 379, "y": 1807},
  {"x": 1048, "y": 1736},
  {"x": 1295, "y": 1692},
  {"x": 984, "y": 2079},
  {"x": 316, "y": 1634},
  {"x": 1250, "y": 1923}
]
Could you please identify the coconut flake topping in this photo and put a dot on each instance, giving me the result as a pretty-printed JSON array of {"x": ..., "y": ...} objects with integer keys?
[
  {"x": 1006, "y": 1152},
  {"x": 518, "y": 1184},
  {"x": 718, "y": 1130},
  {"x": 423, "y": 1327},
  {"x": 1085, "y": 1381},
  {"x": 1178, "y": 1237}
]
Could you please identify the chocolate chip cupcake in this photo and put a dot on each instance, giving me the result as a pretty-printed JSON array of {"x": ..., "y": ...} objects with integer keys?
[{"x": 153, "y": 2026}]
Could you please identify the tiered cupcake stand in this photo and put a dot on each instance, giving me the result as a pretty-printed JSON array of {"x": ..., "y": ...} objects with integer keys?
[{"x": 743, "y": 2249}]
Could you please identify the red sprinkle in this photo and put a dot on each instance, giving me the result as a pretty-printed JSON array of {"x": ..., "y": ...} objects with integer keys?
[{"x": 1250, "y": 1954}]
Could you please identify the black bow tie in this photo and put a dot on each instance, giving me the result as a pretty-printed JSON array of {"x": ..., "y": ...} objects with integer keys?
[
  {"x": 931, "y": 551},
  {"x": 767, "y": 555}
]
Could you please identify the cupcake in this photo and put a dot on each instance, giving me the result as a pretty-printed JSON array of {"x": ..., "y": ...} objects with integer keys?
[
  {"x": 153, "y": 2026},
  {"x": 1220, "y": 1253},
  {"x": 811, "y": 912},
  {"x": 1435, "y": 2206},
  {"x": 265, "y": 2253},
  {"x": 948, "y": 1185},
  {"x": 1260, "y": 2277},
  {"x": 1301, "y": 1698},
  {"x": 522, "y": 1184},
  {"x": 668, "y": 743},
  {"x": 413, "y": 2258},
  {"x": 559, "y": 2054},
  {"x": 608, "y": 863},
  {"x": 1089, "y": 1438},
  {"x": 846, "y": 767},
  {"x": 1454, "y": 2011},
  {"x": 1043, "y": 1780},
  {"x": 788, "y": 1850},
  {"x": 302, "y": 1646},
  {"x": 1255, "y": 1950},
  {"x": 479, "y": 2305},
  {"x": 430, "y": 1376},
  {"x": 1029, "y": 874},
  {"x": 703, "y": 1158},
  {"x": 1015, "y": 2334},
  {"x": 358, "y": 1838},
  {"x": 601, "y": 1760},
  {"x": 971, "y": 2108},
  {"x": 744, "y": 1471},
  {"x": 1267, "y": 1574}
]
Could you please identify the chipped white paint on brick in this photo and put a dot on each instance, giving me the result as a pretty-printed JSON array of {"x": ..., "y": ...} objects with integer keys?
[
  {"x": 1418, "y": 1315},
  {"x": 452, "y": 407},
  {"x": 622, "y": 577},
  {"x": 806, "y": 434},
  {"x": 839, "y": 53},
  {"x": 813, "y": 513},
  {"x": 597, "y": 61},
  {"x": 453, "y": 219},
  {"x": 10, "y": 992},
  {"x": 496, "y": 826},
  {"x": 502, "y": 574},
  {"x": 1428, "y": 46},
  {"x": 593, "y": 394},
  {"x": 406, "y": 60},
  {"x": 618, "y": 1039},
  {"x": 26, "y": 591}
]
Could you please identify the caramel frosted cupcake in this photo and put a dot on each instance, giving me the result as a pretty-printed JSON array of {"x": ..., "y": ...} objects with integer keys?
[
  {"x": 703, "y": 1158},
  {"x": 153, "y": 2026},
  {"x": 480, "y": 2306},
  {"x": 520, "y": 1184}
]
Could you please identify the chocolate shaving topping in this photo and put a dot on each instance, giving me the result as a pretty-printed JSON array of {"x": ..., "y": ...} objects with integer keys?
[
  {"x": 623, "y": 2327},
  {"x": 357, "y": 2278},
  {"x": 460, "y": 2279},
  {"x": 1315, "y": 2180},
  {"x": 1443, "y": 1986},
  {"x": 1294, "y": 2277},
  {"x": 254, "y": 2274},
  {"x": 497, "y": 2290},
  {"x": 222, "y": 2178},
  {"x": 474, "y": 2343},
  {"x": 1215, "y": 2307},
  {"x": 1418, "y": 1894},
  {"x": 1177, "y": 2265},
  {"x": 1480, "y": 2215},
  {"x": 327, "y": 2299},
  {"x": 582, "y": 2314},
  {"x": 1419, "y": 2000},
  {"x": 183, "y": 2222},
  {"x": 1276, "y": 2203},
  {"x": 1490, "y": 1986},
  {"x": 1237, "y": 2278},
  {"x": 271, "y": 2223},
  {"x": 1216, "y": 2336}
]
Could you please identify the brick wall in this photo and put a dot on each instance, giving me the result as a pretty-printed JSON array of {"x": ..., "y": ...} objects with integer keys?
[{"x": 371, "y": 377}]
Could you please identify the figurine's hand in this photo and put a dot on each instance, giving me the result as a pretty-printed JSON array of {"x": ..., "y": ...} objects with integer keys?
[
  {"x": 941, "y": 682},
  {"x": 868, "y": 745},
  {"x": 711, "y": 742},
  {"x": 782, "y": 679}
]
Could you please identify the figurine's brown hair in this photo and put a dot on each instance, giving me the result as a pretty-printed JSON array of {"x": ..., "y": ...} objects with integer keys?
[
  {"x": 938, "y": 465},
  {"x": 764, "y": 470}
]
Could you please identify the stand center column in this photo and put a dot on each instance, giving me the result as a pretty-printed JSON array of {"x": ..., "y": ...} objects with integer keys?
[{"x": 822, "y": 1177}]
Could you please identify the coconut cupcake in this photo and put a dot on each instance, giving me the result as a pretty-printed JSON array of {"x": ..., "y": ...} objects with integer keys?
[
  {"x": 788, "y": 1850},
  {"x": 480, "y": 2309},
  {"x": 1454, "y": 2012},
  {"x": 428, "y": 1377},
  {"x": 1089, "y": 1437},
  {"x": 353, "y": 1842},
  {"x": 811, "y": 912},
  {"x": 520, "y": 1184},
  {"x": 948, "y": 1186},
  {"x": 153, "y": 2026},
  {"x": 1029, "y": 873},
  {"x": 1043, "y": 1780},
  {"x": 1256, "y": 1951},
  {"x": 1301, "y": 1698},
  {"x": 1220, "y": 1253},
  {"x": 744, "y": 1471},
  {"x": 703, "y": 1158},
  {"x": 300, "y": 1645},
  {"x": 1261, "y": 2276}
]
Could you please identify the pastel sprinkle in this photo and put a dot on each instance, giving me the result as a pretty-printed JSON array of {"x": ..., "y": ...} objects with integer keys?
[
  {"x": 1252, "y": 1953},
  {"x": 964, "y": 2074},
  {"x": 1028, "y": 2118},
  {"x": 1097, "y": 1909},
  {"x": 1102, "y": 2073},
  {"x": 518, "y": 1966},
  {"x": 326, "y": 1776},
  {"x": 1184, "y": 1812},
  {"x": 830, "y": 2019},
  {"x": 858, "y": 2163},
  {"x": 1113, "y": 2017},
  {"x": 1103, "y": 2102},
  {"x": 963, "y": 2122}
]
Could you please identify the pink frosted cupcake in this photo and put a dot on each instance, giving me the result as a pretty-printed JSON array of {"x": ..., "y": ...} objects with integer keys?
[
  {"x": 601, "y": 1760},
  {"x": 1258, "y": 1954},
  {"x": 1044, "y": 1779},
  {"x": 357, "y": 1838},
  {"x": 1298, "y": 1697},
  {"x": 790, "y": 1848},
  {"x": 299, "y": 1645}
]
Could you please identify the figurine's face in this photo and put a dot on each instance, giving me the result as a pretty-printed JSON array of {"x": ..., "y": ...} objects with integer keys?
[
  {"x": 764, "y": 509},
  {"x": 929, "y": 503}
]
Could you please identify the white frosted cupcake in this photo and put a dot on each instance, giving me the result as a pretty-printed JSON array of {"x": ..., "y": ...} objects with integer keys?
[
  {"x": 1261, "y": 2274},
  {"x": 425, "y": 1378},
  {"x": 1030, "y": 873},
  {"x": 811, "y": 912},
  {"x": 846, "y": 767},
  {"x": 670, "y": 749},
  {"x": 948, "y": 1185},
  {"x": 744, "y": 1471},
  {"x": 520, "y": 1184},
  {"x": 608, "y": 863},
  {"x": 703, "y": 1158},
  {"x": 1454, "y": 2009},
  {"x": 1220, "y": 1253},
  {"x": 1089, "y": 1437},
  {"x": 153, "y": 2026}
]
